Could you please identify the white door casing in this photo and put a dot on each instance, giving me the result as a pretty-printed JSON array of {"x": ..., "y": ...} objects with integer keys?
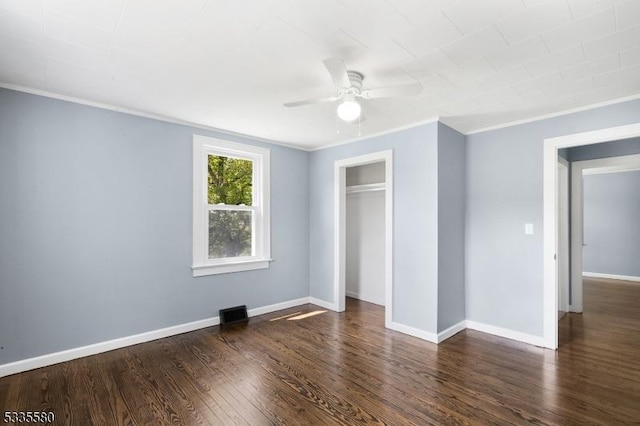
[{"x": 563, "y": 235}]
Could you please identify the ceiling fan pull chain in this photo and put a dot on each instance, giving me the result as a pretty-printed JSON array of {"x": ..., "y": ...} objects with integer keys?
[{"x": 359, "y": 121}]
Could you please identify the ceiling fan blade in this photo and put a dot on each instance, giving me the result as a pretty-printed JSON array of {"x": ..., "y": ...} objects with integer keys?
[
  {"x": 392, "y": 91},
  {"x": 311, "y": 101},
  {"x": 338, "y": 72}
]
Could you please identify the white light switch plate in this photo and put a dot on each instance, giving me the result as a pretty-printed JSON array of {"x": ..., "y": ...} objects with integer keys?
[{"x": 528, "y": 228}]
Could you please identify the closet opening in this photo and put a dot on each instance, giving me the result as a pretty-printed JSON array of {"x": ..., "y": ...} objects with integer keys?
[
  {"x": 365, "y": 192},
  {"x": 363, "y": 231}
]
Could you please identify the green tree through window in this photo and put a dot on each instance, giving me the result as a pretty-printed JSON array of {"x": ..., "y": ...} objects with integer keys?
[
  {"x": 230, "y": 180},
  {"x": 229, "y": 185}
]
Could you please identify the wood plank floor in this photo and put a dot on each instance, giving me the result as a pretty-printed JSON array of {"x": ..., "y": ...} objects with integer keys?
[{"x": 347, "y": 369}]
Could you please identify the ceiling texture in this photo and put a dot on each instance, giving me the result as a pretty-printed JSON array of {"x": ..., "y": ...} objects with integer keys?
[{"x": 231, "y": 64}]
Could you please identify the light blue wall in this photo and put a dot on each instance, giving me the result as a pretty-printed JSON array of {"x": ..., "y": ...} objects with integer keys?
[
  {"x": 504, "y": 268},
  {"x": 612, "y": 223},
  {"x": 451, "y": 201},
  {"x": 95, "y": 228},
  {"x": 415, "y": 245}
]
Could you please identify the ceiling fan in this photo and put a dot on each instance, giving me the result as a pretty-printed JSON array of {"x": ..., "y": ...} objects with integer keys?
[{"x": 348, "y": 85}]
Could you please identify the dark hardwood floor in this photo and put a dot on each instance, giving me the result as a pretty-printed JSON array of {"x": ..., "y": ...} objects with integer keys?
[{"x": 347, "y": 369}]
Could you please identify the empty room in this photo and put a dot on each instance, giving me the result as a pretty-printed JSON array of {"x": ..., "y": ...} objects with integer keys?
[{"x": 312, "y": 212}]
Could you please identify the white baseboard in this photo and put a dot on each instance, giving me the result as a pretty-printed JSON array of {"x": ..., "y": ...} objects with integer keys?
[
  {"x": 473, "y": 325},
  {"x": 415, "y": 332},
  {"x": 451, "y": 331},
  {"x": 97, "y": 348},
  {"x": 574, "y": 309},
  {"x": 507, "y": 333},
  {"x": 359, "y": 296},
  {"x": 611, "y": 276},
  {"x": 322, "y": 303},
  {"x": 277, "y": 307}
]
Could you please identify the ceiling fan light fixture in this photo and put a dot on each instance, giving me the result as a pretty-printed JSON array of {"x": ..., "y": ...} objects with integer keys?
[{"x": 349, "y": 110}]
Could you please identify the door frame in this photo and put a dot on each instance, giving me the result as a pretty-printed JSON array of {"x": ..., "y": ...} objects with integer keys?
[
  {"x": 563, "y": 244},
  {"x": 550, "y": 208},
  {"x": 339, "y": 250}
]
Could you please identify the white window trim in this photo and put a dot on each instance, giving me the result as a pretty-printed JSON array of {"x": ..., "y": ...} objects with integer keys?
[{"x": 203, "y": 147}]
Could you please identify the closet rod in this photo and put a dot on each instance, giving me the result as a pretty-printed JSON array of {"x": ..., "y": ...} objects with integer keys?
[{"x": 366, "y": 188}]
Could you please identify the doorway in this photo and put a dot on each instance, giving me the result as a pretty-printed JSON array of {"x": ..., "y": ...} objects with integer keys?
[
  {"x": 579, "y": 169},
  {"x": 550, "y": 220},
  {"x": 384, "y": 161}
]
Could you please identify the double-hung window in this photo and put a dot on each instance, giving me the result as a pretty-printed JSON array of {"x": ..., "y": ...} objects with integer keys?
[{"x": 231, "y": 230}]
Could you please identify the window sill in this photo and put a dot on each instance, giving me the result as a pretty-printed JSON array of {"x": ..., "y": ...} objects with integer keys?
[{"x": 227, "y": 267}]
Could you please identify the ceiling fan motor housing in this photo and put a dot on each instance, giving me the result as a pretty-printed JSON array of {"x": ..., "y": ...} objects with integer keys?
[{"x": 355, "y": 78}]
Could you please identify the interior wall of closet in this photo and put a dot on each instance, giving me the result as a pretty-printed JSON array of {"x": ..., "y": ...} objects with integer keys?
[{"x": 365, "y": 232}]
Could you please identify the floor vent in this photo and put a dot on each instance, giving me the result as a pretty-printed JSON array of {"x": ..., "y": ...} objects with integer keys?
[{"x": 235, "y": 315}]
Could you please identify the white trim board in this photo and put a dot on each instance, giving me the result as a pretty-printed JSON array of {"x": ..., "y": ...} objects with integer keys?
[
  {"x": 452, "y": 331},
  {"x": 382, "y": 133},
  {"x": 312, "y": 148},
  {"x": 412, "y": 331},
  {"x": 97, "y": 348},
  {"x": 611, "y": 276},
  {"x": 550, "y": 169},
  {"x": 552, "y": 115},
  {"x": 322, "y": 303},
  {"x": 166, "y": 119},
  {"x": 254, "y": 312},
  {"x": 149, "y": 115},
  {"x": 123, "y": 342},
  {"x": 564, "y": 237},
  {"x": 506, "y": 333},
  {"x": 358, "y": 296}
]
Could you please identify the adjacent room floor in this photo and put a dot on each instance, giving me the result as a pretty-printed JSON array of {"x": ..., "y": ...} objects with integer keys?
[{"x": 328, "y": 368}]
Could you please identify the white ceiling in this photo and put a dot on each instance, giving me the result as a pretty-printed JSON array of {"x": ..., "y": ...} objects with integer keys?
[{"x": 230, "y": 64}]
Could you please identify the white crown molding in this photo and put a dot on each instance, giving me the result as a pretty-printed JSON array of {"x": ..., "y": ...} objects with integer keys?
[
  {"x": 143, "y": 114},
  {"x": 435, "y": 119},
  {"x": 552, "y": 115},
  {"x": 381, "y": 133}
]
